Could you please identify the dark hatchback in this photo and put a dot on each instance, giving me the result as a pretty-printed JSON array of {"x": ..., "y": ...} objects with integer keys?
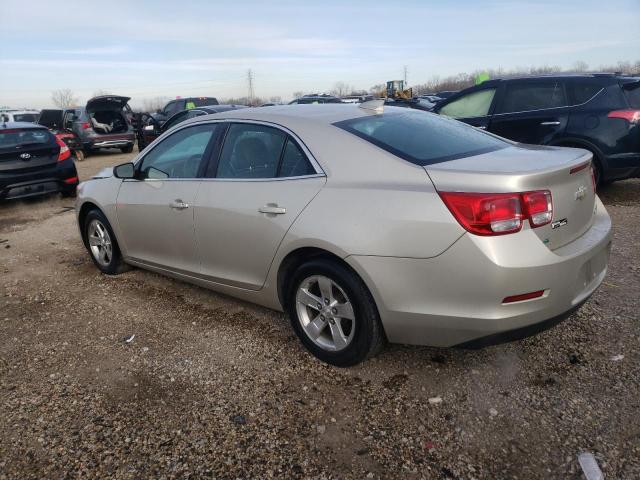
[
  {"x": 597, "y": 112},
  {"x": 34, "y": 162}
]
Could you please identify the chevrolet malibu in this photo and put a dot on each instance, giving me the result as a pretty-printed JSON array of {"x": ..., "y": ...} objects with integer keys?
[{"x": 365, "y": 223}]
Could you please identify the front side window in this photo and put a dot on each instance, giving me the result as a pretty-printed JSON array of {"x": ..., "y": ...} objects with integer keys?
[
  {"x": 422, "y": 138},
  {"x": 475, "y": 104},
  {"x": 524, "y": 97},
  {"x": 176, "y": 119},
  {"x": 179, "y": 155},
  {"x": 251, "y": 151}
]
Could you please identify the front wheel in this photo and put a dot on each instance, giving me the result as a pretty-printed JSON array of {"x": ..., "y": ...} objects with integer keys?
[
  {"x": 333, "y": 313},
  {"x": 102, "y": 244},
  {"x": 127, "y": 149}
]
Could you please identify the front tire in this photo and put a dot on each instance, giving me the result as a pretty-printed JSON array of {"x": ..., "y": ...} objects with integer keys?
[
  {"x": 102, "y": 245},
  {"x": 333, "y": 313}
]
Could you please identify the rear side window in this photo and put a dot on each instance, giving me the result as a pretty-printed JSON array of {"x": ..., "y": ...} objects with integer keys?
[
  {"x": 251, "y": 151},
  {"x": 632, "y": 92},
  {"x": 12, "y": 139},
  {"x": 582, "y": 92},
  {"x": 524, "y": 97},
  {"x": 25, "y": 117},
  {"x": 422, "y": 138},
  {"x": 294, "y": 162},
  {"x": 476, "y": 104}
]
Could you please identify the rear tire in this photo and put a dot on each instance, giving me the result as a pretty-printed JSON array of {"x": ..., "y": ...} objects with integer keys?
[
  {"x": 101, "y": 244},
  {"x": 333, "y": 313},
  {"x": 128, "y": 149}
]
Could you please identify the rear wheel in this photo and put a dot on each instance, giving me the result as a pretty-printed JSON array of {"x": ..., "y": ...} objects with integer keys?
[
  {"x": 128, "y": 149},
  {"x": 333, "y": 313},
  {"x": 102, "y": 244}
]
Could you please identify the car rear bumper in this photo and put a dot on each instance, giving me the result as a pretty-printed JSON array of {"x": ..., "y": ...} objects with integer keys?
[
  {"x": 111, "y": 141},
  {"x": 456, "y": 297},
  {"x": 60, "y": 178}
]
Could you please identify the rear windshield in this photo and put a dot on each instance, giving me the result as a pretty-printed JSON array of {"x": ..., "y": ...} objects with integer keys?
[
  {"x": 25, "y": 117},
  {"x": 202, "y": 101},
  {"x": 422, "y": 138},
  {"x": 11, "y": 139},
  {"x": 632, "y": 92}
]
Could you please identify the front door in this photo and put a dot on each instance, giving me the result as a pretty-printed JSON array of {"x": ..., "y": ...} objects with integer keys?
[
  {"x": 473, "y": 108},
  {"x": 531, "y": 111},
  {"x": 155, "y": 210},
  {"x": 259, "y": 186}
]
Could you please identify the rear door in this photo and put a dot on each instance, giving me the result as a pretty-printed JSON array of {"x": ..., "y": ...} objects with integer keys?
[
  {"x": 473, "y": 108},
  {"x": 531, "y": 111},
  {"x": 155, "y": 210},
  {"x": 261, "y": 182}
]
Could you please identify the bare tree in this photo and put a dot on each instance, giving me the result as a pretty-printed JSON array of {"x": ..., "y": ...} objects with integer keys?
[
  {"x": 340, "y": 89},
  {"x": 298, "y": 94},
  {"x": 64, "y": 98},
  {"x": 153, "y": 104},
  {"x": 275, "y": 99},
  {"x": 377, "y": 89},
  {"x": 580, "y": 66}
]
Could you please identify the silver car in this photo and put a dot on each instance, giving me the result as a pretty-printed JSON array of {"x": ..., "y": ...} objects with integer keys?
[{"x": 364, "y": 225}]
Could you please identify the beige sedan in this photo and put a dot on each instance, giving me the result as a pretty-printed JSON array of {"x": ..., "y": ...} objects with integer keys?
[{"x": 364, "y": 224}]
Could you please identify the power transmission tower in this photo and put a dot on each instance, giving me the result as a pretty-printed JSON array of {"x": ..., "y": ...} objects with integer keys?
[
  {"x": 405, "y": 76},
  {"x": 250, "y": 82}
]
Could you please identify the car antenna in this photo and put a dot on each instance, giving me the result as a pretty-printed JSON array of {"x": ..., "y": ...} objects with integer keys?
[{"x": 375, "y": 106}]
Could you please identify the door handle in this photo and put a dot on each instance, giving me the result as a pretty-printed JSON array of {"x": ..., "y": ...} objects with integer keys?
[
  {"x": 273, "y": 209},
  {"x": 550, "y": 123},
  {"x": 178, "y": 204}
]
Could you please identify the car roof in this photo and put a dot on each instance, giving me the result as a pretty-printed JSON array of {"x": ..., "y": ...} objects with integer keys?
[
  {"x": 16, "y": 125},
  {"x": 292, "y": 115}
]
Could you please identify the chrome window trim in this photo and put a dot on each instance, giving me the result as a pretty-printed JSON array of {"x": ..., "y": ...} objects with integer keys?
[
  {"x": 314, "y": 163},
  {"x": 552, "y": 108}
]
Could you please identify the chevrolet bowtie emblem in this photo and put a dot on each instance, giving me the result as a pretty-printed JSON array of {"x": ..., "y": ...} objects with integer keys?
[{"x": 580, "y": 194}]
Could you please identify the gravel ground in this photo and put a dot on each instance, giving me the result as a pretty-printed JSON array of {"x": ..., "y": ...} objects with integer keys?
[{"x": 214, "y": 387}]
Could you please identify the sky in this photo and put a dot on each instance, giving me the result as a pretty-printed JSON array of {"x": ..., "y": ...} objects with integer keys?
[{"x": 146, "y": 49}]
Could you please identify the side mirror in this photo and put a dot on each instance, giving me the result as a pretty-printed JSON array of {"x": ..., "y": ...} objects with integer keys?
[{"x": 125, "y": 170}]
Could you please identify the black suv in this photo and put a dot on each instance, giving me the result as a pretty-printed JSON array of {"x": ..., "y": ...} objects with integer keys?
[
  {"x": 597, "y": 112},
  {"x": 179, "y": 104}
]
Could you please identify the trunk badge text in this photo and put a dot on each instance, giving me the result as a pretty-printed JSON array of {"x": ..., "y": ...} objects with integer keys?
[
  {"x": 581, "y": 193},
  {"x": 25, "y": 156},
  {"x": 559, "y": 223}
]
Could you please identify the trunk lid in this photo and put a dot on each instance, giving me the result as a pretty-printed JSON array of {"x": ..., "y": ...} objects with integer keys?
[
  {"x": 107, "y": 102},
  {"x": 23, "y": 149},
  {"x": 525, "y": 168}
]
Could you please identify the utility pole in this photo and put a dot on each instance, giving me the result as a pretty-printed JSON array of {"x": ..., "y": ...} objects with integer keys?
[
  {"x": 405, "y": 76},
  {"x": 250, "y": 82}
]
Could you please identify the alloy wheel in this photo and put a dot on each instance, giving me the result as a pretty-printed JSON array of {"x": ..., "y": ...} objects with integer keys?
[
  {"x": 100, "y": 242},
  {"x": 325, "y": 313}
]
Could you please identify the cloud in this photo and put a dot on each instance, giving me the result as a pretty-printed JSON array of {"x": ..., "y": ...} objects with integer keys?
[{"x": 106, "y": 50}]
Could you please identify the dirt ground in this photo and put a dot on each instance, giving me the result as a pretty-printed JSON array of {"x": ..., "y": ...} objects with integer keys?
[{"x": 214, "y": 387}]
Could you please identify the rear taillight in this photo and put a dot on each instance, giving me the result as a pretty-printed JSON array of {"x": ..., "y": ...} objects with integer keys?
[
  {"x": 539, "y": 207},
  {"x": 499, "y": 213},
  {"x": 86, "y": 125},
  {"x": 64, "y": 150},
  {"x": 631, "y": 116}
]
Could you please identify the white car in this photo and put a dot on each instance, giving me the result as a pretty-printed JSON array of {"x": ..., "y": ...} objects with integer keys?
[
  {"x": 30, "y": 116},
  {"x": 362, "y": 223}
]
